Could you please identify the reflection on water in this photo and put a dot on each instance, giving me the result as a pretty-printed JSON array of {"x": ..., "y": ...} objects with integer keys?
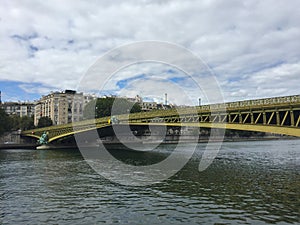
[{"x": 248, "y": 183}]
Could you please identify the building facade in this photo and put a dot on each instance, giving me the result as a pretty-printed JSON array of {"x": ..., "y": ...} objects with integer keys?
[
  {"x": 137, "y": 99},
  {"x": 148, "y": 106},
  {"x": 19, "y": 108},
  {"x": 62, "y": 107}
]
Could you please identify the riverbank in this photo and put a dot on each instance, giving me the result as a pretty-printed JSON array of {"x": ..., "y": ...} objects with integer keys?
[
  {"x": 17, "y": 146},
  {"x": 185, "y": 140}
]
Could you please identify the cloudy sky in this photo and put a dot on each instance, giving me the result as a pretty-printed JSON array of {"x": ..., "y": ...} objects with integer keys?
[{"x": 251, "y": 47}]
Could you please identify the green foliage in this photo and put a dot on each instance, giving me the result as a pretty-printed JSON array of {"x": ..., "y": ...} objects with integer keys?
[
  {"x": 9, "y": 123},
  {"x": 5, "y": 124},
  {"x": 44, "y": 121},
  {"x": 89, "y": 110},
  {"x": 23, "y": 123},
  {"x": 107, "y": 106},
  {"x": 104, "y": 107},
  {"x": 26, "y": 123}
]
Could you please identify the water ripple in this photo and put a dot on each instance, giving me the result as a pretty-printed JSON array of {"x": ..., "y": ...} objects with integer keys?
[{"x": 254, "y": 183}]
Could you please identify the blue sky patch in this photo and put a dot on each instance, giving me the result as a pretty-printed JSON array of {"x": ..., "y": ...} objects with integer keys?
[
  {"x": 24, "y": 37},
  {"x": 123, "y": 83},
  {"x": 33, "y": 48},
  {"x": 171, "y": 71},
  {"x": 13, "y": 91},
  {"x": 265, "y": 66},
  {"x": 177, "y": 79}
]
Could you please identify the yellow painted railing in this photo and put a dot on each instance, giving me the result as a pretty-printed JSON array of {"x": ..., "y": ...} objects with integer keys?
[{"x": 276, "y": 115}]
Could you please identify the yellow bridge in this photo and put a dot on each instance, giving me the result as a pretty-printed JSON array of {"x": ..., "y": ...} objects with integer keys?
[{"x": 279, "y": 115}]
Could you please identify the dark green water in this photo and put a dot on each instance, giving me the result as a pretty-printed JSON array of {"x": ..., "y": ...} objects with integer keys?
[{"x": 248, "y": 183}]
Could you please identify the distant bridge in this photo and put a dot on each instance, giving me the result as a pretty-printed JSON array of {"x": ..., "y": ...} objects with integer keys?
[{"x": 279, "y": 115}]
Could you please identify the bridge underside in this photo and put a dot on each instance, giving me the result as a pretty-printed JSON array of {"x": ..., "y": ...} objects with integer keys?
[
  {"x": 107, "y": 131},
  {"x": 275, "y": 115},
  {"x": 246, "y": 127}
]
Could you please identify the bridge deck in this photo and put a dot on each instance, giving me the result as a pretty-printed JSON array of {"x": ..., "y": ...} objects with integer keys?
[{"x": 275, "y": 115}]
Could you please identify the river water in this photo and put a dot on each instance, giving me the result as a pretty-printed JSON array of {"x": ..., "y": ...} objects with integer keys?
[{"x": 254, "y": 182}]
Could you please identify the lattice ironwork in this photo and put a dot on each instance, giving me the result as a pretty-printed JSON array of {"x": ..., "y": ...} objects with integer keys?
[{"x": 277, "y": 115}]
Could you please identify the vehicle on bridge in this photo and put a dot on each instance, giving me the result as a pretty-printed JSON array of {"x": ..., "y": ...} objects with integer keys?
[{"x": 113, "y": 120}]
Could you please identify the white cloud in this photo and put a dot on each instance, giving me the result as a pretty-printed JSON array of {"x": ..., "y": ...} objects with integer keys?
[
  {"x": 30, "y": 88},
  {"x": 252, "y": 46},
  {"x": 280, "y": 80}
]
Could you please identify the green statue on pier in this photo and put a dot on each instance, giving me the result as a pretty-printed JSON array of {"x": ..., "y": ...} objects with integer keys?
[{"x": 43, "y": 139}]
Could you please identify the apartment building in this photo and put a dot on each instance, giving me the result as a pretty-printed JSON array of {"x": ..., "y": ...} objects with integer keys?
[
  {"x": 18, "y": 108},
  {"x": 148, "y": 106},
  {"x": 62, "y": 107}
]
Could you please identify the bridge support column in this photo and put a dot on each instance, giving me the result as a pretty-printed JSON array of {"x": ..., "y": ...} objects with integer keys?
[
  {"x": 264, "y": 118},
  {"x": 229, "y": 118},
  {"x": 277, "y": 118},
  {"x": 240, "y": 117},
  {"x": 292, "y": 118}
]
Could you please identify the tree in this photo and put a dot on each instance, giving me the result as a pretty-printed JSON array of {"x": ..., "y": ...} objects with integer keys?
[
  {"x": 44, "y": 121},
  {"x": 23, "y": 123},
  {"x": 123, "y": 106},
  {"x": 14, "y": 122},
  {"x": 5, "y": 122},
  {"x": 27, "y": 123},
  {"x": 89, "y": 110},
  {"x": 107, "y": 106}
]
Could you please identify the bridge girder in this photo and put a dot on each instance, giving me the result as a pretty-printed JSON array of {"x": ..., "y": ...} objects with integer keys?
[{"x": 279, "y": 115}]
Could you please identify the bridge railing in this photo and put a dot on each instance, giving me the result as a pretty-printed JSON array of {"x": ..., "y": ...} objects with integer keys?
[
  {"x": 177, "y": 112},
  {"x": 286, "y": 100}
]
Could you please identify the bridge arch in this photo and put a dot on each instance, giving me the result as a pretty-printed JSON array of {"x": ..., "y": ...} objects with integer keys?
[{"x": 280, "y": 115}]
